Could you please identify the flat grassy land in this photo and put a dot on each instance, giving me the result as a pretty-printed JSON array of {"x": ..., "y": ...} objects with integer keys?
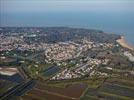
[{"x": 112, "y": 89}]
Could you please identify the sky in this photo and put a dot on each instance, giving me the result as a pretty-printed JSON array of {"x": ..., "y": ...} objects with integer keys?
[{"x": 9, "y": 6}]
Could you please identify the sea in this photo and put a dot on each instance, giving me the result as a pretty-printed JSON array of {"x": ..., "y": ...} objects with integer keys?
[{"x": 111, "y": 22}]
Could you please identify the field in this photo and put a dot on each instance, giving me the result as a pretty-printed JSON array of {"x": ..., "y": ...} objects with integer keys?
[
  {"x": 112, "y": 89},
  {"x": 42, "y": 91}
]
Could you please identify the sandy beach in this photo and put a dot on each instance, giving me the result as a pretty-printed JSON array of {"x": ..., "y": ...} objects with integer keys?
[{"x": 124, "y": 43}]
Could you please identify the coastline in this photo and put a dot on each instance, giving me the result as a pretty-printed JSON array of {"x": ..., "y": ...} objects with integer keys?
[{"x": 122, "y": 41}]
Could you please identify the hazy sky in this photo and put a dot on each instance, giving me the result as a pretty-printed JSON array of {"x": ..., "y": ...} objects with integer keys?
[{"x": 65, "y": 5}]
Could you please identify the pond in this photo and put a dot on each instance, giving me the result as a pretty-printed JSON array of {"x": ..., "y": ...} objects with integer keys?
[
  {"x": 50, "y": 71},
  {"x": 14, "y": 78}
]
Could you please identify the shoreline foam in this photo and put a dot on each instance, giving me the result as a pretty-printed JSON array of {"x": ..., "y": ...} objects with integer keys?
[{"x": 122, "y": 41}]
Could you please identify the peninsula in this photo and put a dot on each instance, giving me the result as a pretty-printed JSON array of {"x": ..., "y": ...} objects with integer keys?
[{"x": 63, "y": 63}]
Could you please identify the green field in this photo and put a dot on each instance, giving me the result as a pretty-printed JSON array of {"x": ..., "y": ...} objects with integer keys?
[{"x": 112, "y": 89}]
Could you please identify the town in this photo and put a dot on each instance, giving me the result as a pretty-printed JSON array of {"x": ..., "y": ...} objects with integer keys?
[{"x": 32, "y": 54}]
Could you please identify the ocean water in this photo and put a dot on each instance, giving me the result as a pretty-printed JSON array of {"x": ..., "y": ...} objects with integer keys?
[{"x": 112, "y": 22}]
